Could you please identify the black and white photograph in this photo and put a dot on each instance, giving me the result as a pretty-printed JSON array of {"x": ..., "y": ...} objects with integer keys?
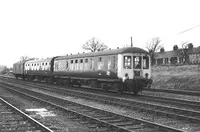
[{"x": 99, "y": 66}]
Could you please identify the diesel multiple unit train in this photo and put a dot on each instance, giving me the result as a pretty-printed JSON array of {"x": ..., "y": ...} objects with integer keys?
[{"x": 122, "y": 69}]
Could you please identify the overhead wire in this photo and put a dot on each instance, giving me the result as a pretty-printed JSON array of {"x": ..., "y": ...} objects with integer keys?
[{"x": 188, "y": 29}]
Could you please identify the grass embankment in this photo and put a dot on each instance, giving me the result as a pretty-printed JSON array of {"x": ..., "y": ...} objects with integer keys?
[{"x": 186, "y": 77}]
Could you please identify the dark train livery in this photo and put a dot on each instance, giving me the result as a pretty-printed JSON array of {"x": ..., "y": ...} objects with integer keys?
[{"x": 125, "y": 69}]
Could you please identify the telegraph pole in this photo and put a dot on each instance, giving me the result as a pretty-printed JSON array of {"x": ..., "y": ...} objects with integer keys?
[{"x": 131, "y": 42}]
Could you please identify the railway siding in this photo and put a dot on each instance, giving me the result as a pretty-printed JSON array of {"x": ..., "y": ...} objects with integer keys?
[
  {"x": 13, "y": 119},
  {"x": 105, "y": 117},
  {"x": 145, "y": 108}
]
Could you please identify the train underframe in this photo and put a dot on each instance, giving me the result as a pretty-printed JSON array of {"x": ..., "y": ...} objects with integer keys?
[{"x": 131, "y": 85}]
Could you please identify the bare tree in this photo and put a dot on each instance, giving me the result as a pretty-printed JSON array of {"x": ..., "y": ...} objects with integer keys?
[
  {"x": 153, "y": 46},
  {"x": 94, "y": 44},
  {"x": 183, "y": 51},
  {"x": 24, "y": 58},
  {"x": 3, "y": 69}
]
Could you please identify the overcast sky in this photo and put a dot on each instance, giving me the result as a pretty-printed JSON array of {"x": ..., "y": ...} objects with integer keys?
[{"x": 46, "y": 28}]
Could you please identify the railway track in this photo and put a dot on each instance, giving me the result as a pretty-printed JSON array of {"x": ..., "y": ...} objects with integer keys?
[
  {"x": 178, "y": 109},
  {"x": 173, "y": 91},
  {"x": 14, "y": 120},
  {"x": 95, "y": 116},
  {"x": 174, "y": 108},
  {"x": 182, "y": 105},
  {"x": 157, "y": 90},
  {"x": 157, "y": 106}
]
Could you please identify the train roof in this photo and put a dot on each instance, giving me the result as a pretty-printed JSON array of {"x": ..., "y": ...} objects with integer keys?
[
  {"x": 105, "y": 52},
  {"x": 21, "y": 62},
  {"x": 18, "y": 63},
  {"x": 39, "y": 60}
]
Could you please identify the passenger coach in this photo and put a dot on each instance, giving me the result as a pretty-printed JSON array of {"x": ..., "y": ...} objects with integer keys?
[
  {"x": 125, "y": 69},
  {"x": 105, "y": 69}
]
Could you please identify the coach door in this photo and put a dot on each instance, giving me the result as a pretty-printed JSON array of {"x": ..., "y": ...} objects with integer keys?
[
  {"x": 127, "y": 66},
  {"x": 137, "y": 66}
]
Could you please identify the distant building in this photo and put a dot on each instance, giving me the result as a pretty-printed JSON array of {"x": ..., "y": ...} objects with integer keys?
[
  {"x": 169, "y": 57},
  {"x": 194, "y": 55},
  {"x": 174, "y": 56}
]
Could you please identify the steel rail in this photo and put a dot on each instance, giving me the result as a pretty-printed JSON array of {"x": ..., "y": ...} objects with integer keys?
[
  {"x": 142, "y": 104},
  {"x": 33, "y": 121},
  {"x": 135, "y": 104},
  {"x": 173, "y": 91},
  {"x": 102, "y": 121}
]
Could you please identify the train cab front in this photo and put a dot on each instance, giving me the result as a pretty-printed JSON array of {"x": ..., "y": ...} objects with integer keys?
[{"x": 136, "y": 72}]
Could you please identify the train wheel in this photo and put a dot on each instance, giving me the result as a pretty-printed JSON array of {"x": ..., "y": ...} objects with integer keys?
[
  {"x": 29, "y": 78},
  {"x": 138, "y": 88},
  {"x": 118, "y": 87},
  {"x": 68, "y": 82},
  {"x": 149, "y": 86},
  {"x": 104, "y": 88},
  {"x": 120, "y": 91},
  {"x": 79, "y": 83},
  {"x": 135, "y": 92}
]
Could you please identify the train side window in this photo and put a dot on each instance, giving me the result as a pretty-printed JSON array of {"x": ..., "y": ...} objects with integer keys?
[
  {"x": 46, "y": 63},
  {"x": 71, "y": 61},
  {"x": 145, "y": 62},
  {"x": 127, "y": 62},
  {"x": 67, "y": 65},
  {"x": 91, "y": 66},
  {"x": 114, "y": 59},
  {"x": 81, "y": 60},
  {"x": 86, "y": 60},
  {"x": 100, "y": 59},
  {"x": 137, "y": 62},
  {"x": 76, "y": 61}
]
